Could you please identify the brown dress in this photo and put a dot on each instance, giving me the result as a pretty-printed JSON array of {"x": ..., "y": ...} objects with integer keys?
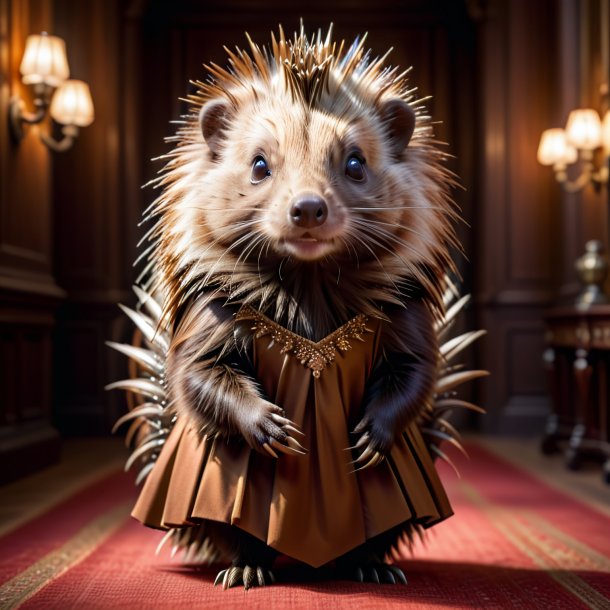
[{"x": 312, "y": 508}]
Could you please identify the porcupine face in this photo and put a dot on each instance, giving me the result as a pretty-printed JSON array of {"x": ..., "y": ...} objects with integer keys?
[
  {"x": 305, "y": 153},
  {"x": 312, "y": 182}
]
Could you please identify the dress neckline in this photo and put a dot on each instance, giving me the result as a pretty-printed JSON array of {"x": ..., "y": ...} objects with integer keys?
[{"x": 316, "y": 355}]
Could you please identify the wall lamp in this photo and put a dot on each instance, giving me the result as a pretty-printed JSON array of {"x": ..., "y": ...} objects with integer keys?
[
  {"x": 585, "y": 136},
  {"x": 44, "y": 68}
]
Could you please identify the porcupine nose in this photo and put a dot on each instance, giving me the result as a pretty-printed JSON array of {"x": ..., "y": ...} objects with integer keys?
[{"x": 308, "y": 211}]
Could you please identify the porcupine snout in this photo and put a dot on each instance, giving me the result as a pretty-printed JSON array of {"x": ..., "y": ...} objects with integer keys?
[{"x": 308, "y": 211}]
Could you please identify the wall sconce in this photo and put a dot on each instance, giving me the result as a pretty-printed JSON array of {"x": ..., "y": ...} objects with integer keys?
[
  {"x": 44, "y": 68},
  {"x": 586, "y": 137}
]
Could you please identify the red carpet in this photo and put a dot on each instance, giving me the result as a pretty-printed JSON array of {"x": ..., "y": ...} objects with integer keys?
[{"x": 513, "y": 543}]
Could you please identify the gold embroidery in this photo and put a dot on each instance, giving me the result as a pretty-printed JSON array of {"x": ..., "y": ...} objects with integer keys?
[{"x": 316, "y": 356}]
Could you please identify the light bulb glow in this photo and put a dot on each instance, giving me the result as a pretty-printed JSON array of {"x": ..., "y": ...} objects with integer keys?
[
  {"x": 72, "y": 104},
  {"x": 554, "y": 148},
  {"x": 584, "y": 129},
  {"x": 44, "y": 61}
]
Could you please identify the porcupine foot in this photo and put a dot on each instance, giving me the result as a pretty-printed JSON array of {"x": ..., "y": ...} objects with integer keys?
[
  {"x": 248, "y": 576},
  {"x": 377, "y": 572},
  {"x": 366, "y": 562},
  {"x": 251, "y": 566}
]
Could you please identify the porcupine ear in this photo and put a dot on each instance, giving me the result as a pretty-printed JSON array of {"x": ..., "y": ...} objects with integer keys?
[
  {"x": 213, "y": 119},
  {"x": 399, "y": 119}
]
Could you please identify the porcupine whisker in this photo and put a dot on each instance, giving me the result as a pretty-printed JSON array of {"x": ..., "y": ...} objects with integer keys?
[
  {"x": 256, "y": 238},
  {"x": 406, "y": 263},
  {"x": 227, "y": 250},
  {"x": 338, "y": 268},
  {"x": 372, "y": 232},
  {"x": 279, "y": 271},
  {"x": 395, "y": 225},
  {"x": 367, "y": 229},
  {"x": 193, "y": 272},
  {"x": 226, "y": 235},
  {"x": 380, "y": 265},
  {"x": 385, "y": 239},
  {"x": 348, "y": 244},
  {"x": 391, "y": 252},
  {"x": 225, "y": 209},
  {"x": 395, "y": 239},
  {"x": 400, "y": 207},
  {"x": 265, "y": 244}
]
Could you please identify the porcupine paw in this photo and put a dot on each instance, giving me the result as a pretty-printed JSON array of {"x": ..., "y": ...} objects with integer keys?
[
  {"x": 271, "y": 432},
  {"x": 375, "y": 572},
  {"x": 372, "y": 445},
  {"x": 248, "y": 576}
]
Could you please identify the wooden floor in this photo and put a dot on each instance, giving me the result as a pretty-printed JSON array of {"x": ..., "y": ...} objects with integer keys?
[
  {"x": 82, "y": 461},
  {"x": 86, "y": 460}
]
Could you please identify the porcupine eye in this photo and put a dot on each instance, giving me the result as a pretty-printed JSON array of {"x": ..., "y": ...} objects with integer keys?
[
  {"x": 354, "y": 168},
  {"x": 260, "y": 170}
]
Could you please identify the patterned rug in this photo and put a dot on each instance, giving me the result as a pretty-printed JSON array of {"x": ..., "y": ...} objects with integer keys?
[{"x": 514, "y": 542}]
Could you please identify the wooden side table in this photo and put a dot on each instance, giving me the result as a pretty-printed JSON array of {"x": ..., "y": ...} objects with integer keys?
[{"x": 577, "y": 359}]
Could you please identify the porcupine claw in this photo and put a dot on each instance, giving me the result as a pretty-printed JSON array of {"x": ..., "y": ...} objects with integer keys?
[
  {"x": 286, "y": 424},
  {"x": 288, "y": 445},
  {"x": 377, "y": 573},
  {"x": 287, "y": 449},
  {"x": 219, "y": 577},
  {"x": 270, "y": 451},
  {"x": 295, "y": 444},
  {"x": 248, "y": 576},
  {"x": 373, "y": 456},
  {"x": 376, "y": 459}
]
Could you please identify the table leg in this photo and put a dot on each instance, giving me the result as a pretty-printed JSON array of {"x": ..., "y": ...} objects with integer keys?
[{"x": 582, "y": 373}]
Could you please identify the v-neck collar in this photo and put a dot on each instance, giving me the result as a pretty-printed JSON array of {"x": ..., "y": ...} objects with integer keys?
[{"x": 316, "y": 355}]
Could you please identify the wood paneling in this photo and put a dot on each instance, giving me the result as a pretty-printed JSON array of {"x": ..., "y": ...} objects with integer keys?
[
  {"x": 533, "y": 71},
  {"x": 518, "y": 209},
  {"x": 584, "y": 215},
  {"x": 28, "y": 292},
  {"x": 97, "y": 204}
]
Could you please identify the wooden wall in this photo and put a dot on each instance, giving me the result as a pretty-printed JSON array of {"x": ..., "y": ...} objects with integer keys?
[
  {"x": 67, "y": 236},
  {"x": 536, "y": 62},
  {"x": 29, "y": 292},
  {"x": 97, "y": 207},
  {"x": 517, "y": 220}
]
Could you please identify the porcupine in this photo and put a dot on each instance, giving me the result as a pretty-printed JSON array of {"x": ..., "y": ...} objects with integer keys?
[{"x": 292, "y": 303}]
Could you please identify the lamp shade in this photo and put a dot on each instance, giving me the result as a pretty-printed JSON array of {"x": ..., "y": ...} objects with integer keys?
[
  {"x": 44, "y": 60},
  {"x": 554, "y": 148},
  {"x": 72, "y": 104},
  {"x": 606, "y": 133},
  {"x": 584, "y": 129}
]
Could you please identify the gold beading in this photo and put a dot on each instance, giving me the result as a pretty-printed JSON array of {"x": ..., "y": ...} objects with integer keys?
[{"x": 314, "y": 355}]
